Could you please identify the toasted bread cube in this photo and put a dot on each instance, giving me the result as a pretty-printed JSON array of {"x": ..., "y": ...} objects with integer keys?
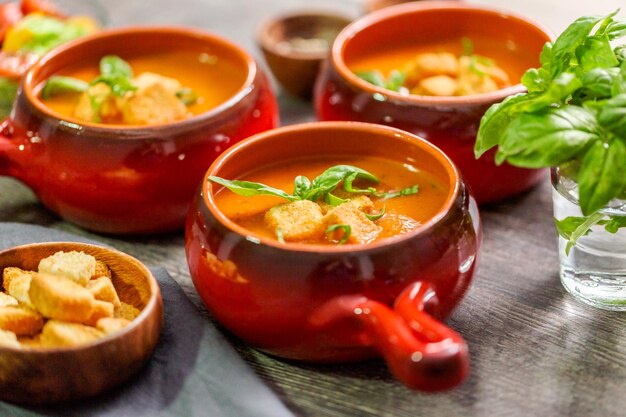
[
  {"x": 8, "y": 339},
  {"x": 154, "y": 101},
  {"x": 111, "y": 325},
  {"x": 102, "y": 289},
  {"x": 362, "y": 229},
  {"x": 20, "y": 320},
  {"x": 109, "y": 110},
  {"x": 60, "y": 298},
  {"x": 126, "y": 311},
  {"x": 298, "y": 220},
  {"x": 59, "y": 333},
  {"x": 77, "y": 266},
  {"x": 438, "y": 85},
  {"x": 7, "y": 300},
  {"x": 102, "y": 270},
  {"x": 101, "y": 309},
  {"x": 430, "y": 64},
  {"x": 17, "y": 284}
]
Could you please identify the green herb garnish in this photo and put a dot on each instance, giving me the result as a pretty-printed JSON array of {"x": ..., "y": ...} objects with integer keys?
[
  {"x": 374, "y": 217},
  {"x": 344, "y": 227},
  {"x": 61, "y": 85},
  {"x": 394, "y": 82},
  {"x": 320, "y": 188},
  {"x": 187, "y": 96},
  {"x": 8, "y": 91},
  {"x": 574, "y": 111}
]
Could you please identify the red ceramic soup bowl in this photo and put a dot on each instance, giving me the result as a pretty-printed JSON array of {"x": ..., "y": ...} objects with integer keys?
[
  {"x": 450, "y": 123},
  {"x": 128, "y": 179},
  {"x": 332, "y": 303}
]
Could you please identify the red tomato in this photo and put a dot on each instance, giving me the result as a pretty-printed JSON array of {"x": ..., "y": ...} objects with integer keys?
[
  {"x": 42, "y": 6},
  {"x": 9, "y": 14}
]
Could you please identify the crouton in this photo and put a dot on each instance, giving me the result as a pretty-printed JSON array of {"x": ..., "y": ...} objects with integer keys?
[
  {"x": 100, "y": 310},
  {"x": 299, "y": 220},
  {"x": 58, "y": 297},
  {"x": 102, "y": 289},
  {"x": 102, "y": 270},
  {"x": 59, "y": 333},
  {"x": 108, "y": 110},
  {"x": 154, "y": 101},
  {"x": 362, "y": 229},
  {"x": 77, "y": 266},
  {"x": 20, "y": 320},
  {"x": 7, "y": 300},
  {"x": 111, "y": 325},
  {"x": 438, "y": 85},
  {"x": 430, "y": 64},
  {"x": 126, "y": 311},
  {"x": 17, "y": 284},
  {"x": 8, "y": 339}
]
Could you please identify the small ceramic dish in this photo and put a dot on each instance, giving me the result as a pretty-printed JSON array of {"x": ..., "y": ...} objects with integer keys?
[
  {"x": 333, "y": 303},
  {"x": 295, "y": 45},
  {"x": 373, "y": 5},
  {"x": 449, "y": 122},
  {"x": 46, "y": 375},
  {"x": 121, "y": 178}
]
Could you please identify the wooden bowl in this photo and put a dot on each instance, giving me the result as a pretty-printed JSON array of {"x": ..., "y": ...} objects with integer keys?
[
  {"x": 46, "y": 375},
  {"x": 295, "y": 45}
]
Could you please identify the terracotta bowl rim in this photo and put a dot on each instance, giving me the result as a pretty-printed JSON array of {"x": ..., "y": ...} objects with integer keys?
[
  {"x": 392, "y": 133},
  {"x": 201, "y": 119},
  {"x": 267, "y": 44},
  {"x": 391, "y": 12},
  {"x": 150, "y": 308}
]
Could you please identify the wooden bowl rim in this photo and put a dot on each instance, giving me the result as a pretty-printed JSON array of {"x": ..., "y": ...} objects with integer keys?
[
  {"x": 149, "y": 309},
  {"x": 268, "y": 44}
]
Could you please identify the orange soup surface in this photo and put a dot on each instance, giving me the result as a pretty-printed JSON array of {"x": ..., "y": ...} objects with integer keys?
[
  {"x": 213, "y": 79},
  {"x": 402, "y": 214},
  {"x": 488, "y": 59}
]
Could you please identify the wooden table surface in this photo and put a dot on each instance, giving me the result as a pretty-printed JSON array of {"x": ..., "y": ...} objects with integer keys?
[{"x": 535, "y": 351}]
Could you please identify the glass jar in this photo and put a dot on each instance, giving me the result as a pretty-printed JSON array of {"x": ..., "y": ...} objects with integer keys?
[{"x": 594, "y": 268}]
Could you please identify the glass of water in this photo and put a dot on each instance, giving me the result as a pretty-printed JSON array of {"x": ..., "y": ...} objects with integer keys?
[{"x": 594, "y": 269}]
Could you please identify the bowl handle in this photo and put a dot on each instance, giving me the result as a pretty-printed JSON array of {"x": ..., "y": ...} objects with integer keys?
[{"x": 420, "y": 351}]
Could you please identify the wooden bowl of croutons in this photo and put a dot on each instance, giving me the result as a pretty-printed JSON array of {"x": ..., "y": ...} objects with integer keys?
[{"x": 75, "y": 320}]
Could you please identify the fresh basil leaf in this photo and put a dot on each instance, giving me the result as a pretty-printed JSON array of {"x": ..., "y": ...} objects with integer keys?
[
  {"x": 573, "y": 228},
  {"x": 8, "y": 91},
  {"x": 598, "y": 83},
  {"x": 572, "y": 37},
  {"x": 333, "y": 200},
  {"x": 248, "y": 188},
  {"x": 403, "y": 192},
  {"x": 62, "y": 85},
  {"x": 300, "y": 186},
  {"x": 347, "y": 230},
  {"x": 187, "y": 96},
  {"x": 496, "y": 120},
  {"x": 612, "y": 115},
  {"x": 620, "y": 53},
  {"x": 536, "y": 80},
  {"x": 119, "y": 85},
  {"x": 547, "y": 138},
  {"x": 330, "y": 179},
  {"x": 601, "y": 177},
  {"x": 374, "y": 217},
  {"x": 619, "y": 85},
  {"x": 557, "y": 92},
  {"x": 373, "y": 77},
  {"x": 545, "y": 58},
  {"x": 596, "y": 52},
  {"x": 114, "y": 66},
  {"x": 395, "y": 80},
  {"x": 616, "y": 29},
  {"x": 615, "y": 223}
]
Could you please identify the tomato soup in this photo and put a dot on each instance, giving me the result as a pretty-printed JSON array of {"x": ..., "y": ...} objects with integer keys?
[
  {"x": 213, "y": 79},
  {"x": 401, "y": 213},
  {"x": 488, "y": 58}
]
